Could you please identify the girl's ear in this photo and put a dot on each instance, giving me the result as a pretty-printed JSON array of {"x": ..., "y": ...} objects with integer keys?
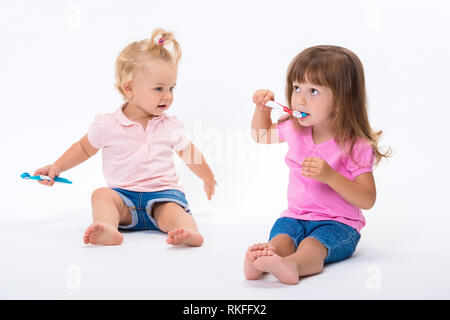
[{"x": 127, "y": 89}]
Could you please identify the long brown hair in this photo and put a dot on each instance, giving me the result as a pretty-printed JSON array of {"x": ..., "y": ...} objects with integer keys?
[{"x": 340, "y": 70}]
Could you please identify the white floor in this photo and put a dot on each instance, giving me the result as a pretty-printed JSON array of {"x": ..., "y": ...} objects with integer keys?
[{"x": 45, "y": 259}]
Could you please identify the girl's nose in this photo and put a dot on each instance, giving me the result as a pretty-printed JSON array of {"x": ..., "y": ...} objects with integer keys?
[
  {"x": 168, "y": 96},
  {"x": 300, "y": 101}
]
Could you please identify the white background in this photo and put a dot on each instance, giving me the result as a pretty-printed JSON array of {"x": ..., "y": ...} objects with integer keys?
[{"x": 57, "y": 72}]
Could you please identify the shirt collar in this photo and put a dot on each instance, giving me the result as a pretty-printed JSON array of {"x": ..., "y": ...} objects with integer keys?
[{"x": 123, "y": 120}]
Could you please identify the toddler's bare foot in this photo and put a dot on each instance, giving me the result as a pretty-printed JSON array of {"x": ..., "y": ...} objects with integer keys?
[
  {"x": 253, "y": 252},
  {"x": 102, "y": 233},
  {"x": 283, "y": 269},
  {"x": 183, "y": 236}
]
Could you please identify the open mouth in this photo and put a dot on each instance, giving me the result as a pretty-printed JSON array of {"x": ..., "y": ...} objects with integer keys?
[
  {"x": 300, "y": 115},
  {"x": 162, "y": 106},
  {"x": 305, "y": 115}
]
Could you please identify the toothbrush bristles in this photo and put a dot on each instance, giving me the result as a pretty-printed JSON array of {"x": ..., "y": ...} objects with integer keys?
[{"x": 297, "y": 114}]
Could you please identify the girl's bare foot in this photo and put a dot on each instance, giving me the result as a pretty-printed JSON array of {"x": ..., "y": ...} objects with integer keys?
[
  {"x": 102, "y": 233},
  {"x": 250, "y": 272},
  {"x": 282, "y": 269},
  {"x": 183, "y": 236},
  {"x": 253, "y": 252}
]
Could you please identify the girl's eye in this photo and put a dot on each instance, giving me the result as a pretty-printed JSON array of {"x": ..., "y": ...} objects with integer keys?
[
  {"x": 173, "y": 88},
  {"x": 314, "y": 92},
  {"x": 296, "y": 88},
  {"x": 158, "y": 89}
]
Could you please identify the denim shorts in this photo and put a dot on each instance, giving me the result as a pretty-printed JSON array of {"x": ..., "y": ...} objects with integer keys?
[
  {"x": 141, "y": 203},
  {"x": 340, "y": 239}
]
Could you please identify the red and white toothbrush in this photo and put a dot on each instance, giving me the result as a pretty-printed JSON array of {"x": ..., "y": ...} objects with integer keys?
[{"x": 276, "y": 105}]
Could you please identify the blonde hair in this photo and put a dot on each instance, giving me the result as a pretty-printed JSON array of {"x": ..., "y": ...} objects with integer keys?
[
  {"x": 161, "y": 45},
  {"x": 340, "y": 70}
]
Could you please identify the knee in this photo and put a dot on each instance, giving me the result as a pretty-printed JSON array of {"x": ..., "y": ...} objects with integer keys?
[
  {"x": 161, "y": 208},
  {"x": 169, "y": 215},
  {"x": 314, "y": 245},
  {"x": 101, "y": 193},
  {"x": 283, "y": 244}
]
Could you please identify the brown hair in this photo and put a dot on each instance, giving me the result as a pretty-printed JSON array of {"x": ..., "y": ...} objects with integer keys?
[
  {"x": 161, "y": 45},
  {"x": 340, "y": 70}
]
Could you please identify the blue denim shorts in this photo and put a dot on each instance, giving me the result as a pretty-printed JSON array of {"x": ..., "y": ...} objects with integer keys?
[
  {"x": 340, "y": 239},
  {"x": 141, "y": 203}
]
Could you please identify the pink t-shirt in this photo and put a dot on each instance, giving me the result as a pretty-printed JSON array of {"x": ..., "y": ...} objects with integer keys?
[
  {"x": 309, "y": 199},
  {"x": 136, "y": 159}
]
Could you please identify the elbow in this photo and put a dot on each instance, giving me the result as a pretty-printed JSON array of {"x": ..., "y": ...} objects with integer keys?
[
  {"x": 260, "y": 135},
  {"x": 369, "y": 203},
  {"x": 254, "y": 137},
  {"x": 254, "y": 134},
  {"x": 367, "y": 207}
]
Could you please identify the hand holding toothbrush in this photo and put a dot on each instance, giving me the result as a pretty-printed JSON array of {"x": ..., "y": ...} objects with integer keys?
[
  {"x": 262, "y": 125},
  {"x": 264, "y": 99},
  {"x": 51, "y": 171},
  {"x": 261, "y": 97}
]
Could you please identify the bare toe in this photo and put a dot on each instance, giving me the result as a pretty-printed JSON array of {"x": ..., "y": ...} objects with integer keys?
[
  {"x": 186, "y": 237},
  {"x": 250, "y": 271},
  {"x": 281, "y": 268},
  {"x": 102, "y": 233}
]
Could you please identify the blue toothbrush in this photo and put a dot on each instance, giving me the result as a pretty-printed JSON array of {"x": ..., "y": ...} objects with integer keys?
[{"x": 27, "y": 176}]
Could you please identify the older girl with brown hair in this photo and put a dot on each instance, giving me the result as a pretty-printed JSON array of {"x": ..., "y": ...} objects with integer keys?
[{"x": 331, "y": 154}]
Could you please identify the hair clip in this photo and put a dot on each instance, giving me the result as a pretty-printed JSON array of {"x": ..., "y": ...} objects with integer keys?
[{"x": 161, "y": 41}]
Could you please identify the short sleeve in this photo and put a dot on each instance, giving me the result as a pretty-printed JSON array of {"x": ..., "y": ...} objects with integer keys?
[
  {"x": 363, "y": 159},
  {"x": 95, "y": 132},
  {"x": 180, "y": 136}
]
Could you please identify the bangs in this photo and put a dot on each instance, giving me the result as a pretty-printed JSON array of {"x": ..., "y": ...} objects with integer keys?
[{"x": 310, "y": 69}]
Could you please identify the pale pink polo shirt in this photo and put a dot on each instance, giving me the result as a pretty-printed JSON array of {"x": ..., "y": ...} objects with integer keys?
[
  {"x": 136, "y": 159},
  {"x": 309, "y": 199}
]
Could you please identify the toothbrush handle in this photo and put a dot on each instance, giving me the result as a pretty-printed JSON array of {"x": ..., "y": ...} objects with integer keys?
[
  {"x": 286, "y": 109},
  {"x": 63, "y": 180},
  {"x": 275, "y": 105},
  {"x": 56, "y": 179}
]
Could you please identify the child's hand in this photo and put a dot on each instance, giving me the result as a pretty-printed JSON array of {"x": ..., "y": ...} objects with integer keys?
[
  {"x": 317, "y": 169},
  {"x": 51, "y": 170},
  {"x": 209, "y": 186},
  {"x": 261, "y": 97}
]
